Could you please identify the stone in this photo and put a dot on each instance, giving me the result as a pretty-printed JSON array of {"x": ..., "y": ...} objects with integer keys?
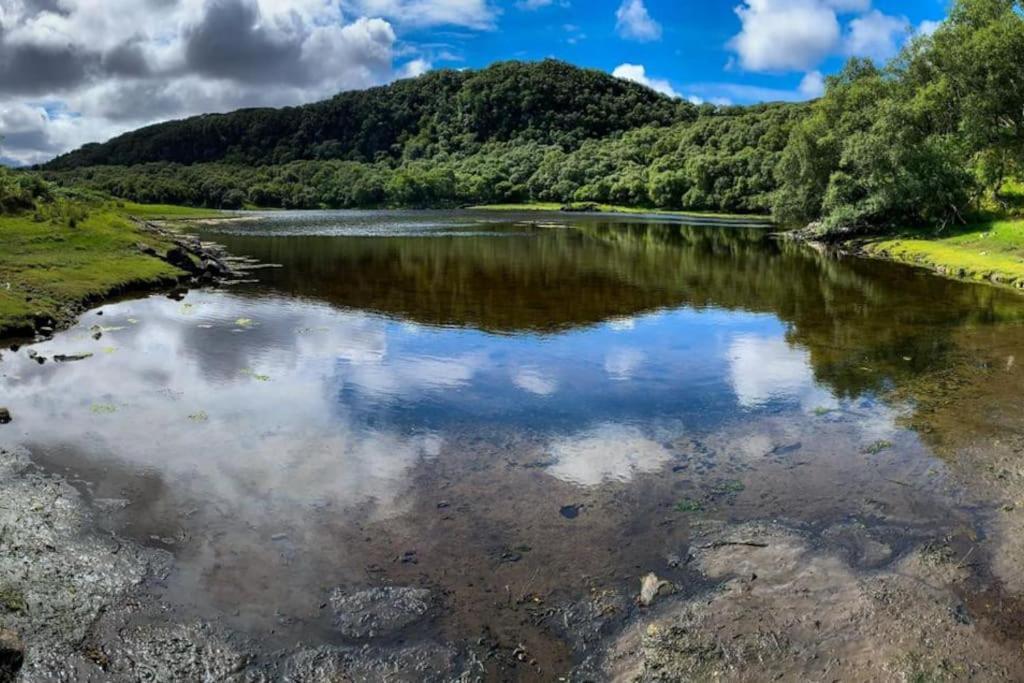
[
  {"x": 178, "y": 258},
  {"x": 651, "y": 587},
  {"x": 12, "y": 654},
  {"x": 379, "y": 612},
  {"x": 5, "y": 416},
  {"x": 71, "y": 358}
]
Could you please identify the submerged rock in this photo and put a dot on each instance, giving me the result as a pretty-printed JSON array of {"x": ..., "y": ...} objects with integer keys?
[
  {"x": 66, "y": 576},
  {"x": 570, "y": 511},
  {"x": 420, "y": 663},
  {"x": 70, "y": 358},
  {"x": 379, "y": 612},
  {"x": 784, "y": 608},
  {"x": 179, "y": 652},
  {"x": 12, "y": 654}
]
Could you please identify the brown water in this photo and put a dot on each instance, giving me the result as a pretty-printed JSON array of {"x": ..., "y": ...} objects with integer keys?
[{"x": 520, "y": 414}]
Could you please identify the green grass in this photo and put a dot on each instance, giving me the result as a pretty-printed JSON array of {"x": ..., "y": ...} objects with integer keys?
[
  {"x": 612, "y": 208},
  {"x": 166, "y": 211},
  {"x": 51, "y": 263},
  {"x": 991, "y": 251}
]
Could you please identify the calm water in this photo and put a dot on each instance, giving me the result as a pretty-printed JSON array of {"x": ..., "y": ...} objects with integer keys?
[{"x": 501, "y": 409}]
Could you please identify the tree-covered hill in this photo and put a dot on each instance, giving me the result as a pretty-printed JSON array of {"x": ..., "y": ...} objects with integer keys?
[
  {"x": 547, "y": 102},
  {"x": 929, "y": 139}
]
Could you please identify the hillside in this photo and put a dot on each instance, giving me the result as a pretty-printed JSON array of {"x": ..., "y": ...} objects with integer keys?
[
  {"x": 547, "y": 102},
  {"x": 930, "y": 139}
]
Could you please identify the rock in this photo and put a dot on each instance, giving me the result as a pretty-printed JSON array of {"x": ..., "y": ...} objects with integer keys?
[
  {"x": 70, "y": 358},
  {"x": 379, "y": 612},
  {"x": 179, "y": 258},
  {"x": 34, "y": 355},
  {"x": 651, "y": 587},
  {"x": 214, "y": 268},
  {"x": 419, "y": 663},
  {"x": 5, "y": 416},
  {"x": 570, "y": 511},
  {"x": 12, "y": 654}
]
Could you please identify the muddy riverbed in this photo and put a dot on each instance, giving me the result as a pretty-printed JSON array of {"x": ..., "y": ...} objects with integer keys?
[{"x": 453, "y": 446}]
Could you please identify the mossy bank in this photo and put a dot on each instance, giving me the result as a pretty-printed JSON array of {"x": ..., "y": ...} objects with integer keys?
[
  {"x": 62, "y": 255},
  {"x": 990, "y": 251}
]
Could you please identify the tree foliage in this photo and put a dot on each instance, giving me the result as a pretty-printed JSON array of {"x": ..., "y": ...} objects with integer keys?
[
  {"x": 444, "y": 111},
  {"x": 722, "y": 161},
  {"x": 919, "y": 141}
]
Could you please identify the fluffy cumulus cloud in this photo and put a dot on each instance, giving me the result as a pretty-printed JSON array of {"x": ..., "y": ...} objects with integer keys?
[
  {"x": 798, "y": 35},
  {"x": 638, "y": 74},
  {"x": 876, "y": 35},
  {"x": 634, "y": 22},
  {"x": 812, "y": 84},
  {"x": 76, "y": 71}
]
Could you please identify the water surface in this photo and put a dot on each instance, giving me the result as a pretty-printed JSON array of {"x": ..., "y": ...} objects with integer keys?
[{"x": 513, "y": 411}]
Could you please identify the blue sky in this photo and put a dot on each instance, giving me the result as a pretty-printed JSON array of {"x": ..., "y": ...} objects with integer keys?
[
  {"x": 694, "y": 50},
  {"x": 78, "y": 71}
]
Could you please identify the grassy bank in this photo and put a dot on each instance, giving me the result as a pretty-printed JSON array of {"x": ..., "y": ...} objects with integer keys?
[
  {"x": 612, "y": 208},
  {"x": 65, "y": 254},
  {"x": 166, "y": 212},
  {"x": 990, "y": 251}
]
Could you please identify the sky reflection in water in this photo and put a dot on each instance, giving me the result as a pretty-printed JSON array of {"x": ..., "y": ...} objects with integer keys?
[{"x": 375, "y": 375}]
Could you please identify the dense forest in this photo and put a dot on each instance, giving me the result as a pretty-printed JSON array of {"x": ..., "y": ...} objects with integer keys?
[
  {"x": 550, "y": 102},
  {"x": 926, "y": 139}
]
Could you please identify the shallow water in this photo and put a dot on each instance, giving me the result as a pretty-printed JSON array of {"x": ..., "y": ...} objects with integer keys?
[{"x": 515, "y": 412}]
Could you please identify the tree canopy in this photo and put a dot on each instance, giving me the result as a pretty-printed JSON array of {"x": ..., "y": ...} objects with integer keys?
[{"x": 922, "y": 140}]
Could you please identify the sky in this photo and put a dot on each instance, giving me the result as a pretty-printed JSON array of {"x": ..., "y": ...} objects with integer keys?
[{"x": 78, "y": 71}]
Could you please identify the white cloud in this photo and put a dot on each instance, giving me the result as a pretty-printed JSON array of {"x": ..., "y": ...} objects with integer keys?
[
  {"x": 534, "y": 382},
  {"x": 531, "y": 5},
  {"x": 78, "y": 71},
  {"x": 876, "y": 36},
  {"x": 785, "y": 35},
  {"x": 609, "y": 452},
  {"x": 473, "y": 14},
  {"x": 797, "y": 35},
  {"x": 414, "y": 68},
  {"x": 638, "y": 74},
  {"x": 634, "y": 22},
  {"x": 812, "y": 85},
  {"x": 928, "y": 27},
  {"x": 622, "y": 364},
  {"x": 767, "y": 369}
]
